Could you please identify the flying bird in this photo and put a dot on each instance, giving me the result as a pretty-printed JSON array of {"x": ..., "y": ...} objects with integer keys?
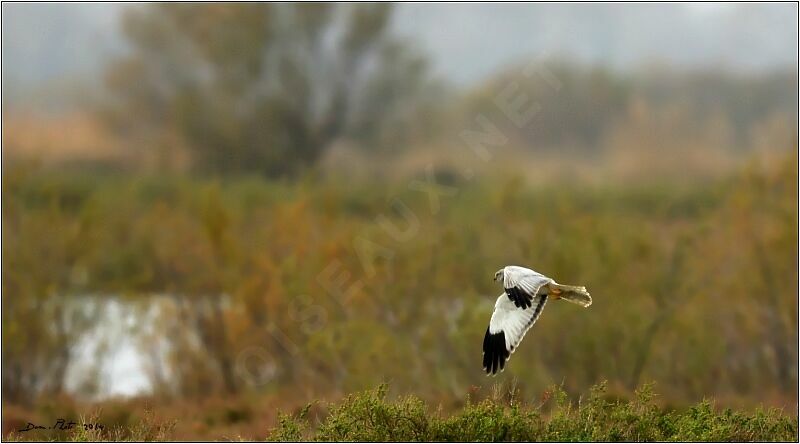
[{"x": 518, "y": 308}]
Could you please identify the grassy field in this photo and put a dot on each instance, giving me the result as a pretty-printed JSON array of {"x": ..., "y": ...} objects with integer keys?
[
  {"x": 373, "y": 416},
  {"x": 263, "y": 295}
]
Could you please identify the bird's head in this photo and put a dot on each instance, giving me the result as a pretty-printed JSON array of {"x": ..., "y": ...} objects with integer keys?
[{"x": 498, "y": 275}]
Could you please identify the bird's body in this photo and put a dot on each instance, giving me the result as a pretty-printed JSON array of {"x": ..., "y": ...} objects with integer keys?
[{"x": 518, "y": 308}]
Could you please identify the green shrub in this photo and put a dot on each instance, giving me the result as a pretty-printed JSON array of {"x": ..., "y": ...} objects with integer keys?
[{"x": 369, "y": 416}]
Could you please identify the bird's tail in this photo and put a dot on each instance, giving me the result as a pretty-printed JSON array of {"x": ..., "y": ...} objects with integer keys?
[{"x": 576, "y": 295}]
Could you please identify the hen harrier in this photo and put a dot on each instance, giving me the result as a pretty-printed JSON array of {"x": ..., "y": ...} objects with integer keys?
[{"x": 516, "y": 310}]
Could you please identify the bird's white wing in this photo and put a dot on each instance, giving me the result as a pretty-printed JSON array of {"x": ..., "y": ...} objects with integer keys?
[
  {"x": 522, "y": 285},
  {"x": 506, "y": 329}
]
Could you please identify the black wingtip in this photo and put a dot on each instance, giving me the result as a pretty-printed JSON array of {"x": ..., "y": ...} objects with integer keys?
[{"x": 495, "y": 353}]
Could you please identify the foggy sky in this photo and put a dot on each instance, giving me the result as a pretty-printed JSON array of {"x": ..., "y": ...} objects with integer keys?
[{"x": 46, "y": 43}]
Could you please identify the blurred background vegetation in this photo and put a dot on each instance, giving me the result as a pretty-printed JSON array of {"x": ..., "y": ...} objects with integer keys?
[{"x": 222, "y": 216}]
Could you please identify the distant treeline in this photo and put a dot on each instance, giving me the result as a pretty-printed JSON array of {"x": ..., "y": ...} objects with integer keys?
[
  {"x": 590, "y": 109},
  {"x": 270, "y": 89}
]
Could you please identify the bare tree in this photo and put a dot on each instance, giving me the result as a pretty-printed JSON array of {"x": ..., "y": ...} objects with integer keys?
[{"x": 265, "y": 87}]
